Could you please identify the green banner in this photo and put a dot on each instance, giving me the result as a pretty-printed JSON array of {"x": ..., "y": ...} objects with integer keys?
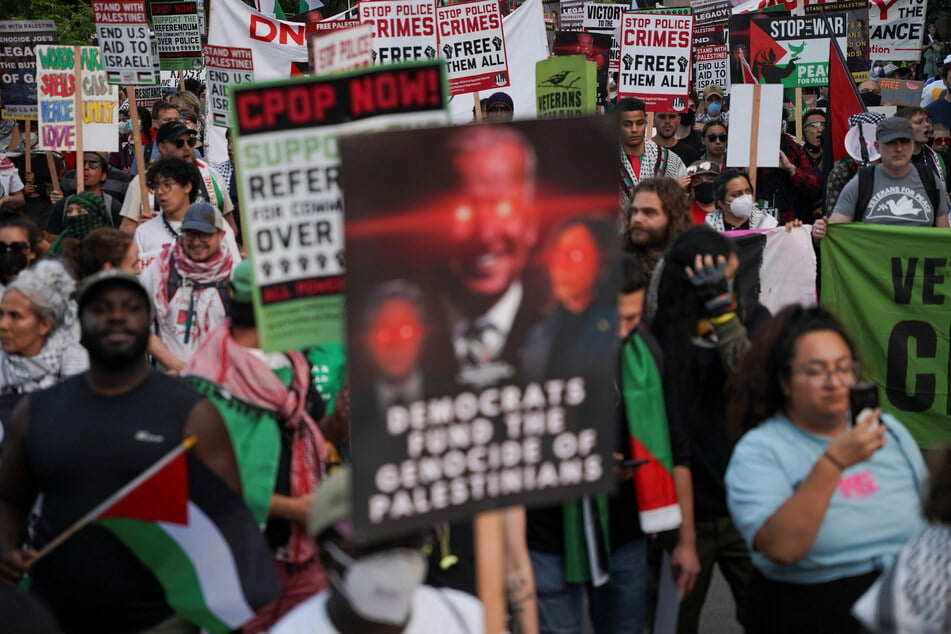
[
  {"x": 565, "y": 86},
  {"x": 892, "y": 301}
]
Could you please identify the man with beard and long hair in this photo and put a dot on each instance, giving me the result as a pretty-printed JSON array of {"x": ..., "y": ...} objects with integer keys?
[
  {"x": 657, "y": 214},
  {"x": 82, "y": 440}
]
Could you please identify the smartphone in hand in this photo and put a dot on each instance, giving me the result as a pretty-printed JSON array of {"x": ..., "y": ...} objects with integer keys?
[{"x": 862, "y": 395}]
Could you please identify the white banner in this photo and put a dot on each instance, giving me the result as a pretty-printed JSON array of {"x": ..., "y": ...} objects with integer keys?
[{"x": 896, "y": 29}]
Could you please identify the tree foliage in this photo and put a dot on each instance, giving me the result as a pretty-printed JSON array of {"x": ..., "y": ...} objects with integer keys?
[{"x": 73, "y": 18}]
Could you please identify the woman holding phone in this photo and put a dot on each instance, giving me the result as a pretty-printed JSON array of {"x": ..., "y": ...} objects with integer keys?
[{"x": 824, "y": 504}]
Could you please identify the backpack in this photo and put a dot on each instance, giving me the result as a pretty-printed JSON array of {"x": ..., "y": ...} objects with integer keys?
[{"x": 867, "y": 180}]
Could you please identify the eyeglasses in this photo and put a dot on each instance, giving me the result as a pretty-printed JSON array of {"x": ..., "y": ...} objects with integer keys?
[
  {"x": 819, "y": 375},
  {"x": 16, "y": 247},
  {"x": 716, "y": 137},
  {"x": 705, "y": 166},
  {"x": 165, "y": 186},
  {"x": 816, "y": 124},
  {"x": 180, "y": 143},
  {"x": 946, "y": 141},
  {"x": 93, "y": 165}
]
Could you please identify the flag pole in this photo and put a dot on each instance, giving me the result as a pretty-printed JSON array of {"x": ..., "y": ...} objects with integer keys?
[{"x": 182, "y": 447}]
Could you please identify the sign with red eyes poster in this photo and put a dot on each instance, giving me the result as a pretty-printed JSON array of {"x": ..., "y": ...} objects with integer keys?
[{"x": 481, "y": 321}]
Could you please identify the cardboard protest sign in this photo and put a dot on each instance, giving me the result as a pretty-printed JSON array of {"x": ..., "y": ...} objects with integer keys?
[
  {"x": 900, "y": 92},
  {"x": 292, "y": 213},
  {"x": 454, "y": 414},
  {"x": 896, "y": 310},
  {"x": 711, "y": 57},
  {"x": 123, "y": 31},
  {"x": 57, "y": 116},
  {"x": 596, "y": 47},
  {"x": 896, "y": 29},
  {"x": 178, "y": 32},
  {"x": 18, "y": 64},
  {"x": 655, "y": 59},
  {"x": 473, "y": 44},
  {"x": 340, "y": 50},
  {"x": 606, "y": 19},
  {"x": 225, "y": 66},
  {"x": 741, "y": 139},
  {"x": 566, "y": 86},
  {"x": 403, "y": 30}
]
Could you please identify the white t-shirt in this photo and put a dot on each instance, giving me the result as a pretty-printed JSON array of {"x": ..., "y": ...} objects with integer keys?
[
  {"x": 153, "y": 236},
  {"x": 10, "y": 182},
  {"x": 435, "y": 611},
  {"x": 214, "y": 184}
]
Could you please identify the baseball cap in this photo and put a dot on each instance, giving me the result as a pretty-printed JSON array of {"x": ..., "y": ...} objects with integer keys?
[
  {"x": 712, "y": 89},
  {"x": 698, "y": 168},
  {"x": 894, "y": 128},
  {"x": 889, "y": 69},
  {"x": 171, "y": 131},
  {"x": 331, "y": 506},
  {"x": 97, "y": 281},
  {"x": 241, "y": 286},
  {"x": 201, "y": 217},
  {"x": 499, "y": 99}
]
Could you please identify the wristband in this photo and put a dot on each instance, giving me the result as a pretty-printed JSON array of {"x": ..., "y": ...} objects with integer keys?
[{"x": 828, "y": 456}]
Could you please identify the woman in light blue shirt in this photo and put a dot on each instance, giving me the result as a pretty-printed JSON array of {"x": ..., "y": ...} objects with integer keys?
[{"x": 825, "y": 505}]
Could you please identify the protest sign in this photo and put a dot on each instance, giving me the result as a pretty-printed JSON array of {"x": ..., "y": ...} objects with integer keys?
[
  {"x": 123, "y": 31},
  {"x": 856, "y": 24},
  {"x": 566, "y": 86},
  {"x": 473, "y": 44},
  {"x": 606, "y": 19},
  {"x": 340, "y": 50},
  {"x": 148, "y": 96},
  {"x": 769, "y": 115},
  {"x": 778, "y": 267},
  {"x": 710, "y": 12},
  {"x": 178, "y": 32},
  {"x": 292, "y": 213},
  {"x": 896, "y": 309},
  {"x": 477, "y": 429},
  {"x": 58, "y": 116},
  {"x": 225, "y": 66},
  {"x": 572, "y": 15},
  {"x": 596, "y": 47},
  {"x": 403, "y": 30},
  {"x": 711, "y": 57},
  {"x": 18, "y": 64},
  {"x": 896, "y": 29},
  {"x": 342, "y": 20},
  {"x": 900, "y": 92},
  {"x": 171, "y": 81},
  {"x": 655, "y": 59}
]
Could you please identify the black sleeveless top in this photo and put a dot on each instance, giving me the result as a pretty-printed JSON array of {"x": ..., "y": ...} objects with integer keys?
[{"x": 81, "y": 448}]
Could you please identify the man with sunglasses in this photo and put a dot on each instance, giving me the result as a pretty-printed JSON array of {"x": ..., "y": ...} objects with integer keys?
[
  {"x": 176, "y": 140},
  {"x": 666, "y": 125},
  {"x": 95, "y": 174}
]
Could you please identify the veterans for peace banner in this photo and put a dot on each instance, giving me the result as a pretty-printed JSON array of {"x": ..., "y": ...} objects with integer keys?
[
  {"x": 18, "y": 64},
  {"x": 291, "y": 205},
  {"x": 457, "y": 411},
  {"x": 58, "y": 114},
  {"x": 655, "y": 59},
  {"x": 567, "y": 86},
  {"x": 894, "y": 304}
]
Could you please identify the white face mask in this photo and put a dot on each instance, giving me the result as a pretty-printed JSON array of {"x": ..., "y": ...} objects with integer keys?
[
  {"x": 380, "y": 586},
  {"x": 742, "y": 206}
]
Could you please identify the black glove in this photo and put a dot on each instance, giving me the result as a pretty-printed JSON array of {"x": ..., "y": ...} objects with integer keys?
[{"x": 713, "y": 288}]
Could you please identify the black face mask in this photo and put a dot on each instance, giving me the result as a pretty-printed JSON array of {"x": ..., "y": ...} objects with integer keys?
[
  {"x": 687, "y": 118},
  {"x": 703, "y": 193},
  {"x": 11, "y": 264},
  {"x": 871, "y": 99}
]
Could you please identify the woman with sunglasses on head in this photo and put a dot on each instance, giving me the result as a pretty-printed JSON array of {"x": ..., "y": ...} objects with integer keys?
[
  {"x": 824, "y": 502},
  {"x": 38, "y": 347},
  {"x": 713, "y": 138}
]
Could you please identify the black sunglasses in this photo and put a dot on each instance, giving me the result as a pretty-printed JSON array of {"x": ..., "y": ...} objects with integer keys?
[
  {"x": 180, "y": 143},
  {"x": 93, "y": 165},
  {"x": 16, "y": 247},
  {"x": 716, "y": 137}
]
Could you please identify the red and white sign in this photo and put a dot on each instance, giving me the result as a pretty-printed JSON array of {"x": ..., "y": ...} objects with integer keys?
[
  {"x": 123, "y": 32},
  {"x": 341, "y": 50},
  {"x": 655, "y": 59},
  {"x": 473, "y": 45},
  {"x": 225, "y": 66},
  {"x": 403, "y": 30}
]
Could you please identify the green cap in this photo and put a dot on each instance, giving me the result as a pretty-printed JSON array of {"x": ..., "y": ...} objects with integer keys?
[{"x": 241, "y": 285}]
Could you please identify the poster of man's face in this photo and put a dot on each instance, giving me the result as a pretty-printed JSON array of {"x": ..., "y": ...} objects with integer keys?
[{"x": 466, "y": 249}]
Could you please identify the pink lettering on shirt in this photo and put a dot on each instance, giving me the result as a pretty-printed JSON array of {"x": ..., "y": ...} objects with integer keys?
[{"x": 861, "y": 485}]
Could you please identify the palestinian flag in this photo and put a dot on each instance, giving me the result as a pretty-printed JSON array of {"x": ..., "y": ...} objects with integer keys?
[
  {"x": 777, "y": 267},
  {"x": 199, "y": 540}
]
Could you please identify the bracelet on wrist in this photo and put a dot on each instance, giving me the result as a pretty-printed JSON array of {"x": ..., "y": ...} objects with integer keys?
[{"x": 828, "y": 456}]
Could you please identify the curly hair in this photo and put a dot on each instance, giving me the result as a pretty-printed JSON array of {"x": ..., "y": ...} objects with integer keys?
[
  {"x": 674, "y": 204},
  {"x": 754, "y": 391},
  {"x": 179, "y": 171}
]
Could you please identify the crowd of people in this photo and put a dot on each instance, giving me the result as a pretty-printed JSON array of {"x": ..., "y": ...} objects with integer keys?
[{"x": 127, "y": 323}]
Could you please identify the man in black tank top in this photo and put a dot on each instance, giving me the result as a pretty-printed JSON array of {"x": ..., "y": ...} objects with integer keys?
[{"x": 83, "y": 440}]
